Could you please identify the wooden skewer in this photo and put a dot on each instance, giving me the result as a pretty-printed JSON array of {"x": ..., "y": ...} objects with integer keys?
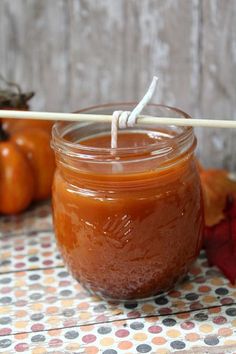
[{"x": 193, "y": 122}]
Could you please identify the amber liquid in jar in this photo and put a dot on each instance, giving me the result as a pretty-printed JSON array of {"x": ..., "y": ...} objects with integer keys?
[{"x": 128, "y": 225}]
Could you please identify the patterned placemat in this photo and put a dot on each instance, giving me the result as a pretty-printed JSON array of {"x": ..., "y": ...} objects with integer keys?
[
  {"x": 36, "y": 218},
  {"x": 44, "y": 310}
]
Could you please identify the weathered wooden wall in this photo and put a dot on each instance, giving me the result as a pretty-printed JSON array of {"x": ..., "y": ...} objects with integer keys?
[{"x": 76, "y": 53}]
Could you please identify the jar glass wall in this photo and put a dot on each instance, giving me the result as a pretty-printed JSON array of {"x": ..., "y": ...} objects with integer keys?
[{"x": 128, "y": 222}]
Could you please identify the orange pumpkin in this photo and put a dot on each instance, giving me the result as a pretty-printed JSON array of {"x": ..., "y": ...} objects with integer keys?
[
  {"x": 26, "y": 159},
  {"x": 11, "y": 125},
  {"x": 26, "y": 168}
]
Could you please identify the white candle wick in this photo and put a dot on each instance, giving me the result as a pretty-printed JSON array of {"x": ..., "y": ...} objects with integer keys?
[{"x": 124, "y": 119}]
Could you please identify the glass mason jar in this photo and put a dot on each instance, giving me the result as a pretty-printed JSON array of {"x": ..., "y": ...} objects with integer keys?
[{"x": 129, "y": 221}]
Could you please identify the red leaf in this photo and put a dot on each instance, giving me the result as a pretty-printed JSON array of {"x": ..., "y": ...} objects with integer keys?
[{"x": 220, "y": 243}]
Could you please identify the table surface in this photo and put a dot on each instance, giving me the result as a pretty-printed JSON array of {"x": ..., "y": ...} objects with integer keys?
[{"x": 44, "y": 310}]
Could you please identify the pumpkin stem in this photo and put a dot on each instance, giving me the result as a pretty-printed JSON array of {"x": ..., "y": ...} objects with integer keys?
[
  {"x": 11, "y": 99},
  {"x": 3, "y": 135},
  {"x": 9, "y": 83}
]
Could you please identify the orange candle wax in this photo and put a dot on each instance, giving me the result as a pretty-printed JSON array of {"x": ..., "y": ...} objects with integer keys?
[{"x": 128, "y": 222}]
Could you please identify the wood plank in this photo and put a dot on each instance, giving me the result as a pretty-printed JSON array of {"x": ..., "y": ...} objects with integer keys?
[
  {"x": 34, "y": 49},
  {"x": 126, "y": 44},
  {"x": 76, "y": 53},
  {"x": 218, "y": 86}
]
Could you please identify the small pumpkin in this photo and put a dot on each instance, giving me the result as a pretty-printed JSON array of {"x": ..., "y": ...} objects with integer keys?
[
  {"x": 12, "y": 125},
  {"x": 26, "y": 159},
  {"x": 26, "y": 168}
]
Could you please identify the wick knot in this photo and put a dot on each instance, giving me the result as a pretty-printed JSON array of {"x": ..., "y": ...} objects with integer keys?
[{"x": 124, "y": 119}]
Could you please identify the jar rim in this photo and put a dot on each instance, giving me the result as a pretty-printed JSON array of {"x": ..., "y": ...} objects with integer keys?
[{"x": 60, "y": 129}]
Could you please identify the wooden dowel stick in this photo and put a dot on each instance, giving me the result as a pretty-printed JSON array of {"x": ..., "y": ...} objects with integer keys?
[{"x": 211, "y": 123}]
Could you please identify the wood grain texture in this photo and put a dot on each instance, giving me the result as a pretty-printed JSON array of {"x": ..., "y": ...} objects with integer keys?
[
  {"x": 76, "y": 53},
  {"x": 218, "y": 72}
]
